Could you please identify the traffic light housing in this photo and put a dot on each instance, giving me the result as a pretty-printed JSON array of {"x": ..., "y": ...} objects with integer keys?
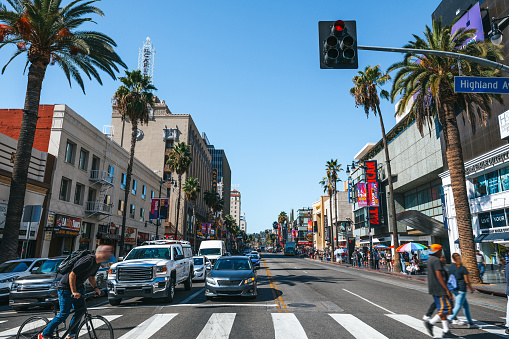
[{"x": 338, "y": 44}]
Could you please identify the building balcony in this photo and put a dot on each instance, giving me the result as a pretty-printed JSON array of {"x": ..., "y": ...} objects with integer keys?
[
  {"x": 96, "y": 207},
  {"x": 101, "y": 176}
]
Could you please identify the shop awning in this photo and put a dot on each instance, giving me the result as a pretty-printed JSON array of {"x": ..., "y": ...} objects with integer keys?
[
  {"x": 422, "y": 222},
  {"x": 477, "y": 239},
  {"x": 496, "y": 236}
]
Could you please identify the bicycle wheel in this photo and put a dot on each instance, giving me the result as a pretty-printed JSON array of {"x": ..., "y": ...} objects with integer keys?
[
  {"x": 31, "y": 328},
  {"x": 96, "y": 327}
]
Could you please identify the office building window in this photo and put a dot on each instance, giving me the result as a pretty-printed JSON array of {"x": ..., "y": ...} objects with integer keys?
[
  {"x": 144, "y": 192},
  {"x": 123, "y": 181},
  {"x": 152, "y": 194},
  {"x": 79, "y": 193},
  {"x": 70, "y": 152},
  {"x": 132, "y": 211},
  {"x": 111, "y": 173},
  {"x": 120, "y": 207},
  {"x": 83, "y": 163},
  {"x": 135, "y": 187},
  {"x": 142, "y": 214},
  {"x": 65, "y": 189}
]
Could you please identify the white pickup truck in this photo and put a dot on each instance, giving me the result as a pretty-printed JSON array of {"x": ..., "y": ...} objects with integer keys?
[{"x": 152, "y": 271}]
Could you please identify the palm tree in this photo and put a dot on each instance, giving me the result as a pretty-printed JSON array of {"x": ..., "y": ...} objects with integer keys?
[
  {"x": 426, "y": 86},
  {"x": 229, "y": 222},
  {"x": 49, "y": 34},
  {"x": 282, "y": 218},
  {"x": 191, "y": 189},
  {"x": 328, "y": 186},
  {"x": 132, "y": 100},
  {"x": 215, "y": 203},
  {"x": 179, "y": 160},
  {"x": 367, "y": 83},
  {"x": 333, "y": 168}
]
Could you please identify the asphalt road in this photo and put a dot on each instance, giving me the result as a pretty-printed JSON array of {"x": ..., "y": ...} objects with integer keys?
[{"x": 298, "y": 298}]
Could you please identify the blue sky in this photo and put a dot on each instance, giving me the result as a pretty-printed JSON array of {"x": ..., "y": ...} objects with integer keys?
[{"x": 248, "y": 73}]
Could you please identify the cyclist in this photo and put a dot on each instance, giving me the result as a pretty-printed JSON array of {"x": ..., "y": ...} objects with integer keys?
[{"x": 71, "y": 290}]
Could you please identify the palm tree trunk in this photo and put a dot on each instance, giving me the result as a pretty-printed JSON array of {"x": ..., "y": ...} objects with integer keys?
[
  {"x": 336, "y": 207},
  {"x": 185, "y": 221},
  {"x": 134, "y": 132},
  {"x": 394, "y": 223},
  {"x": 456, "y": 165},
  {"x": 331, "y": 237},
  {"x": 178, "y": 209},
  {"x": 9, "y": 243},
  {"x": 195, "y": 228}
]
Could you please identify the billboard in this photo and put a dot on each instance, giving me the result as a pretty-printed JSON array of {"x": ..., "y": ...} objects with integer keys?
[
  {"x": 471, "y": 20},
  {"x": 66, "y": 225},
  {"x": 362, "y": 198}
]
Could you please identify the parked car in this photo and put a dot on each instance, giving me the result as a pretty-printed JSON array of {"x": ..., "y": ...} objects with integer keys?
[
  {"x": 40, "y": 288},
  {"x": 232, "y": 276},
  {"x": 202, "y": 266},
  {"x": 254, "y": 260},
  {"x": 14, "y": 269},
  {"x": 152, "y": 271}
]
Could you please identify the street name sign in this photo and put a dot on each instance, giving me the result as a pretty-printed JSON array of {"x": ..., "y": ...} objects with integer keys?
[{"x": 481, "y": 85}]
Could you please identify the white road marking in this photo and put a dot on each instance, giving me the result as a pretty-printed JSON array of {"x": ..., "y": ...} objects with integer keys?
[
  {"x": 98, "y": 323},
  {"x": 358, "y": 328},
  {"x": 287, "y": 326},
  {"x": 149, "y": 327},
  {"x": 372, "y": 303},
  {"x": 212, "y": 305},
  {"x": 191, "y": 297},
  {"x": 487, "y": 327},
  {"x": 219, "y": 326},
  {"x": 3, "y": 321},
  {"x": 13, "y": 331},
  {"x": 416, "y": 324}
]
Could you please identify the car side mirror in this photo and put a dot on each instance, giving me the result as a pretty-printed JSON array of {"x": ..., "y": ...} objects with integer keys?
[
  {"x": 179, "y": 257},
  {"x": 120, "y": 258},
  {"x": 34, "y": 269}
]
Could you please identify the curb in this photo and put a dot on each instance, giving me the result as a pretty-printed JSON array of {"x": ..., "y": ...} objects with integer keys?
[{"x": 406, "y": 276}]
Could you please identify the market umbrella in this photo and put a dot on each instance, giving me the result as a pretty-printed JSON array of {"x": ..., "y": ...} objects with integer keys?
[
  {"x": 411, "y": 246},
  {"x": 380, "y": 247}
]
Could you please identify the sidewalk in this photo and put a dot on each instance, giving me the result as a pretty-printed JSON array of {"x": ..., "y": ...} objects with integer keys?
[{"x": 494, "y": 282}]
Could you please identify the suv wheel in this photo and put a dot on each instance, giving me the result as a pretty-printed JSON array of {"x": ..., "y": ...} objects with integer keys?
[
  {"x": 188, "y": 284},
  {"x": 171, "y": 290},
  {"x": 115, "y": 302}
]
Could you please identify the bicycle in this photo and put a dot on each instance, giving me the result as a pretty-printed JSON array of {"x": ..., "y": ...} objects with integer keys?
[{"x": 96, "y": 326}]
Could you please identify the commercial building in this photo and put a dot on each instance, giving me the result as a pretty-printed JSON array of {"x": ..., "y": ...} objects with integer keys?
[
  {"x": 87, "y": 187},
  {"x": 303, "y": 224},
  {"x": 243, "y": 222},
  {"x": 235, "y": 206},
  {"x": 320, "y": 224},
  {"x": 154, "y": 142}
]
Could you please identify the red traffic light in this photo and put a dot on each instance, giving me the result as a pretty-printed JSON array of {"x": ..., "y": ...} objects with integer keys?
[{"x": 339, "y": 25}]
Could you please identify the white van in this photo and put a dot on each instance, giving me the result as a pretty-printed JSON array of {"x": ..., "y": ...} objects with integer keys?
[{"x": 212, "y": 249}]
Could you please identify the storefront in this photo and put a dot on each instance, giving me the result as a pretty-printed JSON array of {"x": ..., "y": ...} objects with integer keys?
[
  {"x": 64, "y": 232},
  {"x": 130, "y": 238},
  {"x": 86, "y": 238}
]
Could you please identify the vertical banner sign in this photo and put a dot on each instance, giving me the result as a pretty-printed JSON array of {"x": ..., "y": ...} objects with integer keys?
[
  {"x": 350, "y": 191},
  {"x": 154, "y": 209},
  {"x": 164, "y": 208},
  {"x": 362, "y": 197},
  {"x": 372, "y": 183},
  {"x": 310, "y": 226},
  {"x": 214, "y": 179}
]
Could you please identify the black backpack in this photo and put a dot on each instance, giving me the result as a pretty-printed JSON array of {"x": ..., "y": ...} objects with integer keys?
[{"x": 68, "y": 263}]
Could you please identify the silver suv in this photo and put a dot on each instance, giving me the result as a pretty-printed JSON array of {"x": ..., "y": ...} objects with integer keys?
[{"x": 152, "y": 271}]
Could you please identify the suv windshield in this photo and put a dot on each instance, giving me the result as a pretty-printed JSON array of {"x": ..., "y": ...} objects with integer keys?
[
  {"x": 49, "y": 266},
  {"x": 17, "y": 266},
  {"x": 198, "y": 261},
  {"x": 233, "y": 264},
  {"x": 149, "y": 253},
  {"x": 210, "y": 251}
]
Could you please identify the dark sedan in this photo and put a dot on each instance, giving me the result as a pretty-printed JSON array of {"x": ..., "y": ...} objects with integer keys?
[
  {"x": 232, "y": 276},
  {"x": 254, "y": 260}
]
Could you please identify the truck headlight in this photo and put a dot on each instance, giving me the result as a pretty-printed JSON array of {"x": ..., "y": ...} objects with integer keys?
[
  {"x": 14, "y": 287},
  {"x": 200, "y": 269},
  {"x": 211, "y": 281},
  {"x": 112, "y": 271},
  {"x": 249, "y": 281},
  {"x": 8, "y": 280},
  {"x": 160, "y": 270}
]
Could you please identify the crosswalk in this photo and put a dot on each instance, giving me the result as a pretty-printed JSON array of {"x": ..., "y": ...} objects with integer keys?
[{"x": 285, "y": 326}]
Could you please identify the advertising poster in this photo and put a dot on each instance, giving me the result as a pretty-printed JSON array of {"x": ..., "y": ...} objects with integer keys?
[
  {"x": 310, "y": 227},
  {"x": 154, "y": 209},
  {"x": 164, "y": 207},
  {"x": 66, "y": 225},
  {"x": 130, "y": 235},
  {"x": 373, "y": 194},
  {"x": 362, "y": 197},
  {"x": 471, "y": 20}
]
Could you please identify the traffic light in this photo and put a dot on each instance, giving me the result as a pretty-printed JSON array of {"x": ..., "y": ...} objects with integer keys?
[{"x": 338, "y": 44}]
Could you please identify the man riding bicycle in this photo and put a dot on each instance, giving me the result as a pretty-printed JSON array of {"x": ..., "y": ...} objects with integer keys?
[{"x": 71, "y": 290}]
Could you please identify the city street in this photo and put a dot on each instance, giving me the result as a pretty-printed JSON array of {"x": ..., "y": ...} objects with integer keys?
[{"x": 298, "y": 298}]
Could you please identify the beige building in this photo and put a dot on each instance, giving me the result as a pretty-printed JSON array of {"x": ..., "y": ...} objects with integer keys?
[
  {"x": 319, "y": 213},
  {"x": 235, "y": 206},
  {"x": 155, "y": 140}
]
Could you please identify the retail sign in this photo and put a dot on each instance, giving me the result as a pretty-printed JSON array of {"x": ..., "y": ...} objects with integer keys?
[
  {"x": 214, "y": 179},
  {"x": 66, "y": 225},
  {"x": 492, "y": 161},
  {"x": 503, "y": 124},
  {"x": 499, "y": 230},
  {"x": 130, "y": 235},
  {"x": 481, "y": 85}
]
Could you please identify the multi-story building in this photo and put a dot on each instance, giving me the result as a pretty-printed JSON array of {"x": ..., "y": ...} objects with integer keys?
[
  {"x": 243, "y": 222},
  {"x": 301, "y": 224},
  {"x": 155, "y": 140},
  {"x": 87, "y": 188},
  {"x": 235, "y": 206}
]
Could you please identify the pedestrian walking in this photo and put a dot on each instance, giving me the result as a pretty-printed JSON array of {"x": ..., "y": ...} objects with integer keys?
[
  {"x": 432, "y": 308},
  {"x": 377, "y": 260},
  {"x": 71, "y": 290},
  {"x": 437, "y": 287},
  {"x": 481, "y": 264},
  {"x": 460, "y": 273}
]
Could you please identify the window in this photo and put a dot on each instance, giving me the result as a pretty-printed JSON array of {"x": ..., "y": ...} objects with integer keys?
[
  {"x": 120, "y": 207},
  {"x": 79, "y": 193},
  {"x": 83, "y": 163},
  {"x": 111, "y": 173},
  {"x": 65, "y": 189},
  {"x": 132, "y": 211},
  {"x": 152, "y": 194},
  {"x": 492, "y": 182},
  {"x": 135, "y": 187},
  {"x": 123, "y": 181},
  {"x": 504, "y": 178},
  {"x": 144, "y": 192},
  {"x": 142, "y": 214},
  {"x": 70, "y": 152}
]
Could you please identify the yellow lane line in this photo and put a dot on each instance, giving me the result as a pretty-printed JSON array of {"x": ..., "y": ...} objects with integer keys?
[{"x": 275, "y": 289}]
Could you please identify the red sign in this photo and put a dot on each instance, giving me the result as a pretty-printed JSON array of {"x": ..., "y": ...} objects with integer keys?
[{"x": 372, "y": 184}]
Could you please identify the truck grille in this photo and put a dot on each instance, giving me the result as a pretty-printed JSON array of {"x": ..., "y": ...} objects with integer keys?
[
  {"x": 4, "y": 290},
  {"x": 135, "y": 273},
  {"x": 228, "y": 282}
]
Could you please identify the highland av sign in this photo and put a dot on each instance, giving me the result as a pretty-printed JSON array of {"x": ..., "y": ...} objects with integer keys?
[{"x": 481, "y": 85}]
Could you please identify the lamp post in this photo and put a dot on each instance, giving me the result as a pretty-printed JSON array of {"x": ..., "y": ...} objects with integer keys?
[
  {"x": 161, "y": 182},
  {"x": 496, "y": 34}
]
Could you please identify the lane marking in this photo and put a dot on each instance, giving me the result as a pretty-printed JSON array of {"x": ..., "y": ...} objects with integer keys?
[
  {"x": 191, "y": 297},
  {"x": 416, "y": 324},
  {"x": 13, "y": 331},
  {"x": 273, "y": 285},
  {"x": 369, "y": 301},
  {"x": 219, "y": 326},
  {"x": 358, "y": 328},
  {"x": 2, "y": 321},
  {"x": 149, "y": 327},
  {"x": 225, "y": 304},
  {"x": 287, "y": 326},
  {"x": 96, "y": 323}
]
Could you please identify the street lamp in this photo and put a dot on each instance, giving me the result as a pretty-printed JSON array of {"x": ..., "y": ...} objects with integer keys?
[
  {"x": 161, "y": 182},
  {"x": 496, "y": 34}
]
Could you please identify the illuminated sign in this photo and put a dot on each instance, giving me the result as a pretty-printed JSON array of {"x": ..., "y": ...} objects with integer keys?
[{"x": 372, "y": 185}]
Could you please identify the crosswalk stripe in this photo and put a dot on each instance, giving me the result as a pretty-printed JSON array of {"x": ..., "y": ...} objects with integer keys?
[
  {"x": 149, "y": 327},
  {"x": 357, "y": 327},
  {"x": 287, "y": 326},
  {"x": 3, "y": 321},
  {"x": 98, "y": 324},
  {"x": 487, "y": 327},
  {"x": 219, "y": 326},
  {"x": 13, "y": 331},
  {"x": 415, "y": 323}
]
